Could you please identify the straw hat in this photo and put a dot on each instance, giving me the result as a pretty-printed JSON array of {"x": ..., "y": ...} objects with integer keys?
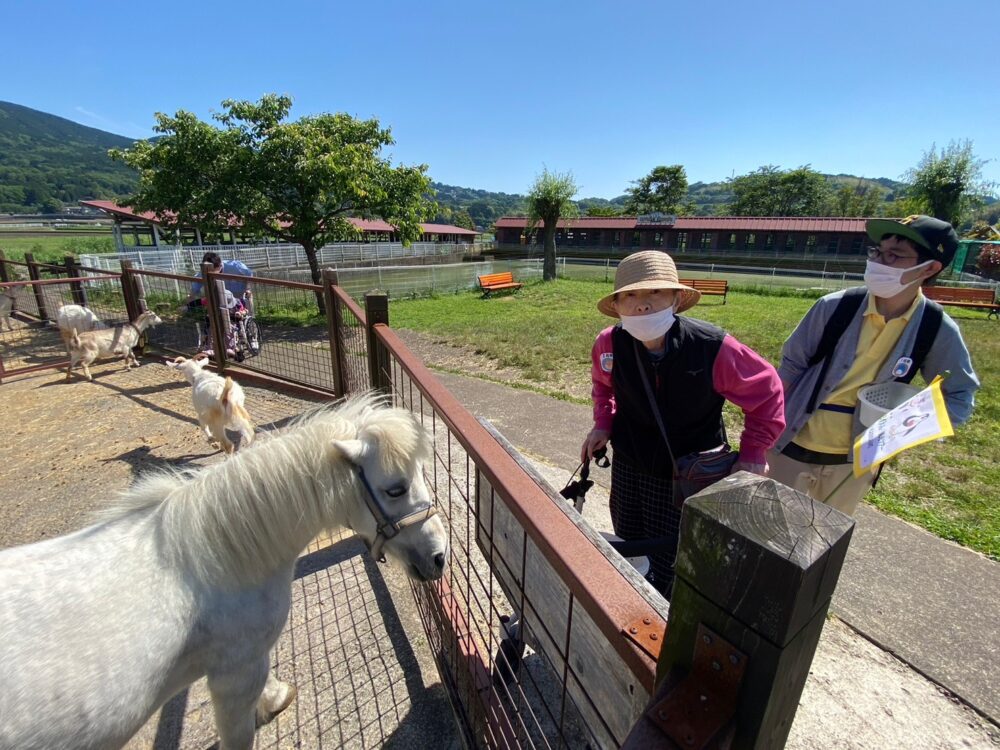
[{"x": 649, "y": 269}]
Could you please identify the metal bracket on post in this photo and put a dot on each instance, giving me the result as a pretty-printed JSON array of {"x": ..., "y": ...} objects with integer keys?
[
  {"x": 698, "y": 708},
  {"x": 647, "y": 633}
]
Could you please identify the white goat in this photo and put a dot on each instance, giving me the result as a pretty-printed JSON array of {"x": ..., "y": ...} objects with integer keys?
[
  {"x": 78, "y": 318},
  {"x": 218, "y": 403},
  {"x": 6, "y": 307},
  {"x": 109, "y": 342}
]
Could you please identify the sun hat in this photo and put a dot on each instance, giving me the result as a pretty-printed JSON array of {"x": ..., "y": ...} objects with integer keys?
[
  {"x": 648, "y": 269},
  {"x": 934, "y": 235}
]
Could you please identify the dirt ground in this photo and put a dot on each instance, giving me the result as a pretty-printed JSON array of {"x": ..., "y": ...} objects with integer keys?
[{"x": 439, "y": 354}]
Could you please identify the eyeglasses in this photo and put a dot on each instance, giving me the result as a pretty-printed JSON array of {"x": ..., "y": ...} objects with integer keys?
[{"x": 888, "y": 257}]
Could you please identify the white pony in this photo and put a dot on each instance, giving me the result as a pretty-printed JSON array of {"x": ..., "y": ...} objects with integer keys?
[{"x": 191, "y": 575}]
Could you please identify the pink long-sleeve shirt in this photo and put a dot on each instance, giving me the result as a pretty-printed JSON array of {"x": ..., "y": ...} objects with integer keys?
[{"x": 739, "y": 375}]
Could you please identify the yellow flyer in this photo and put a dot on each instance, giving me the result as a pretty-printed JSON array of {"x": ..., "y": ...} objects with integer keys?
[{"x": 918, "y": 420}]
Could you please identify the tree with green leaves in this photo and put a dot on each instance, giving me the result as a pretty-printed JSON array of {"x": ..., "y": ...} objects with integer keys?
[
  {"x": 663, "y": 190},
  {"x": 862, "y": 199},
  {"x": 299, "y": 181},
  {"x": 770, "y": 191},
  {"x": 949, "y": 185},
  {"x": 461, "y": 218},
  {"x": 550, "y": 199},
  {"x": 608, "y": 210}
]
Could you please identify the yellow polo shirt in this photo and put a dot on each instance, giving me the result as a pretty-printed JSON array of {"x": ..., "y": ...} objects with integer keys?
[{"x": 830, "y": 431}]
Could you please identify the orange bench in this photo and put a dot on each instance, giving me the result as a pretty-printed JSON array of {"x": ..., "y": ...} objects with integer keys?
[
  {"x": 709, "y": 287},
  {"x": 493, "y": 282},
  {"x": 961, "y": 296}
]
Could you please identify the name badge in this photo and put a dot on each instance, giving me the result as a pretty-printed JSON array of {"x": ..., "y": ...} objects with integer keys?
[{"x": 903, "y": 365}]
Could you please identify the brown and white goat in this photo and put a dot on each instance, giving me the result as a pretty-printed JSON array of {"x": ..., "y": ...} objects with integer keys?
[
  {"x": 108, "y": 342},
  {"x": 218, "y": 403},
  {"x": 76, "y": 318}
]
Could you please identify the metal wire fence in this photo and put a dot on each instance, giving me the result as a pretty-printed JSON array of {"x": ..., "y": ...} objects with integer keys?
[
  {"x": 527, "y": 641},
  {"x": 294, "y": 340},
  {"x": 30, "y": 340},
  {"x": 267, "y": 256}
]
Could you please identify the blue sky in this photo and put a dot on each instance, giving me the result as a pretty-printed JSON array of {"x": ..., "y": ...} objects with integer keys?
[{"x": 486, "y": 94}]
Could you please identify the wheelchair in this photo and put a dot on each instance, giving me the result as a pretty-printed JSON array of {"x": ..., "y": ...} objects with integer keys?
[{"x": 245, "y": 339}]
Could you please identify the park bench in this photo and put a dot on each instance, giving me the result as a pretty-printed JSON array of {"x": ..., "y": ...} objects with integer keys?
[
  {"x": 981, "y": 299},
  {"x": 709, "y": 287},
  {"x": 493, "y": 282}
]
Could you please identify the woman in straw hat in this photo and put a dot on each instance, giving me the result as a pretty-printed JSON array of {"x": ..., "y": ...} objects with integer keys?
[{"x": 687, "y": 369}]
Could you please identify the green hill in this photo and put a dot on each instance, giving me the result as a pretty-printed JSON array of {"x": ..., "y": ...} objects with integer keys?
[{"x": 46, "y": 161}]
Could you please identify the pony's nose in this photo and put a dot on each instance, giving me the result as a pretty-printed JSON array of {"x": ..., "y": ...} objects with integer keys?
[{"x": 439, "y": 560}]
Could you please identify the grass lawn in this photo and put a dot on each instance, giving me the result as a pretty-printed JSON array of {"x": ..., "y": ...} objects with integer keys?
[
  {"x": 546, "y": 331},
  {"x": 52, "y": 248}
]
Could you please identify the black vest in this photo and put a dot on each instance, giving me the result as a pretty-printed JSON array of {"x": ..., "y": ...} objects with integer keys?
[{"x": 682, "y": 382}]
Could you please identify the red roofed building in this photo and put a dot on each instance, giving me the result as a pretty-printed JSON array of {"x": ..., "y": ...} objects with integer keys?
[
  {"x": 711, "y": 234},
  {"x": 145, "y": 227}
]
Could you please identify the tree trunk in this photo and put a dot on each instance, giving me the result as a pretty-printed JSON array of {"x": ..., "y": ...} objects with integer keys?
[
  {"x": 317, "y": 276},
  {"x": 549, "y": 240}
]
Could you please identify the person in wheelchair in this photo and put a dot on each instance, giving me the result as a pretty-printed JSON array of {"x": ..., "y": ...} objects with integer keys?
[{"x": 241, "y": 339}]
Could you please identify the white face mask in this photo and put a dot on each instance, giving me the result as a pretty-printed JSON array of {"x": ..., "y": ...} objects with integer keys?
[
  {"x": 884, "y": 281},
  {"x": 649, "y": 327}
]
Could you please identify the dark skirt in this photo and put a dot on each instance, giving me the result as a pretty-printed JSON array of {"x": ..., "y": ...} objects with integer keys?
[{"x": 642, "y": 507}]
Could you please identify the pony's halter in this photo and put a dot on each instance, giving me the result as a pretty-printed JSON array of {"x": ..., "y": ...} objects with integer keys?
[{"x": 388, "y": 527}]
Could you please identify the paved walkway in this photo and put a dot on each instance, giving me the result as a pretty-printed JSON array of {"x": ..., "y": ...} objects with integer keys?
[{"x": 931, "y": 603}]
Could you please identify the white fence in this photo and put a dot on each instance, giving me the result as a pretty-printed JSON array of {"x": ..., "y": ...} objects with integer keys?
[
  {"x": 187, "y": 259},
  {"x": 400, "y": 282}
]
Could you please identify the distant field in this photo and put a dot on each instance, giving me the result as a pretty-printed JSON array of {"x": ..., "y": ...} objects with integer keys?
[{"x": 50, "y": 247}]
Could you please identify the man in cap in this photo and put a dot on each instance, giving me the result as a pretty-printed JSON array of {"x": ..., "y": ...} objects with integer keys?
[{"x": 886, "y": 330}]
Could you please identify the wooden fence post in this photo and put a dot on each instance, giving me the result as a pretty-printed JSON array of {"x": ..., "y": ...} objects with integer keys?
[
  {"x": 4, "y": 276},
  {"x": 215, "y": 292},
  {"x": 128, "y": 291},
  {"x": 334, "y": 328},
  {"x": 756, "y": 569},
  {"x": 76, "y": 287},
  {"x": 377, "y": 311},
  {"x": 34, "y": 275}
]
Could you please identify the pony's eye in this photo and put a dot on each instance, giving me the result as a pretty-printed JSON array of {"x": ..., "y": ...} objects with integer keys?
[{"x": 397, "y": 491}]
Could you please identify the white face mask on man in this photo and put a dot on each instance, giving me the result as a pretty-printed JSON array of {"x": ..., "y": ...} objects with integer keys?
[
  {"x": 885, "y": 281},
  {"x": 649, "y": 327}
]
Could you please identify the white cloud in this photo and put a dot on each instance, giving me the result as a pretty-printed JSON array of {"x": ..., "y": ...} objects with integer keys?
[{"x": 128, "y": 129}]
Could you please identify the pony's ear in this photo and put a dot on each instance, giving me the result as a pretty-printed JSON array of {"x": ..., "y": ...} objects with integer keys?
[{"x": 352, "y": 450}]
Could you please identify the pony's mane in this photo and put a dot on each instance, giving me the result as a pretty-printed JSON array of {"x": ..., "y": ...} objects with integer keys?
[{"x": 245, "y": 515}]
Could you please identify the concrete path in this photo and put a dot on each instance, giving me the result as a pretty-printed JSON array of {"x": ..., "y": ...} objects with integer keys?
[{"x": 931, "y": 603}]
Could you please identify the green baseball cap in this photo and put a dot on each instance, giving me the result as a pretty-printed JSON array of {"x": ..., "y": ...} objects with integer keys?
[{"x": 934, "y": 235}]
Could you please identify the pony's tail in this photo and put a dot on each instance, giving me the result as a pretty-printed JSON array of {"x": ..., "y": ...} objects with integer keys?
[{"x": 236, "y": 414}]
